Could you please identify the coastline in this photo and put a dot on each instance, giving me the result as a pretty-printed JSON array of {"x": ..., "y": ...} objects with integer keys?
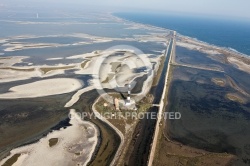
[
  {"x": 81, "y": 92},
  {"x": 232, "y": 57},
  {"x": 228, "y": 49},
  {"x": 226, "y": 156}
]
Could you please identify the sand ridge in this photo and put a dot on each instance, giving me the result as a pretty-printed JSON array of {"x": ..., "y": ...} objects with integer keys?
[
  {"x": 75, "y": 145},
  {"x": 46, "y": 87}
]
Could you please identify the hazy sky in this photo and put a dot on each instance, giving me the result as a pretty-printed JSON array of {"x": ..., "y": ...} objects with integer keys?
[
  {"x": 228, "y": 8},
  {"x": 215, "y": 7}
]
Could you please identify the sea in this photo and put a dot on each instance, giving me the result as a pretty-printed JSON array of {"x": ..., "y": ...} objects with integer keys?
[{"x": 233, "y": 34}]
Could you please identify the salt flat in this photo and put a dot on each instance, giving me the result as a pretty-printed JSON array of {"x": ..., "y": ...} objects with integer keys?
[
  {"x": 35, "y": 66},
  {"x": 46, "y": 87},
  {"x": 75, "y": 146}
]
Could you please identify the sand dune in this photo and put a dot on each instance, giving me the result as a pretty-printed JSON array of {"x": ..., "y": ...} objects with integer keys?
[
  {"x": 240, "y": 64},
  {"x": 200, "y": 47}
]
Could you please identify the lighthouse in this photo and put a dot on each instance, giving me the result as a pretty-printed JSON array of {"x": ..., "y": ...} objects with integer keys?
[{"x": 128, "y": 102}]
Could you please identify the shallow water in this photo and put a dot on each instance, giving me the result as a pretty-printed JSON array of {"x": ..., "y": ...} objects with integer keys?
[{"x": 209, "y": 120}]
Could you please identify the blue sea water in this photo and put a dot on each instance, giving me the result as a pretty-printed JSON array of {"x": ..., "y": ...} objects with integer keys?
[{"x": 233, "y": 34}]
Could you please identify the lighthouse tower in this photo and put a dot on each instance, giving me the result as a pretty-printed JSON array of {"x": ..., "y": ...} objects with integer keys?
[{"x": 128, "y": 102}]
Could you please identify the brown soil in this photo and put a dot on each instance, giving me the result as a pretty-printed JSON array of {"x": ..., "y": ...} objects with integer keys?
[{"x": 169, "y": 152}]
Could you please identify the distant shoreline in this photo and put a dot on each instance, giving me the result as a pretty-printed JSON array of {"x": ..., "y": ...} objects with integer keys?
[{"x": 228, "y": 49}]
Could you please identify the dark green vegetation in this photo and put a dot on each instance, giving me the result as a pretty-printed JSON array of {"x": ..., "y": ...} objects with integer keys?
[
  {"x": 143, "y": 135},
  {"x": 45, "y": 70},
  {"x": 53, "y": 142},
  {"x": 12, "y": 160},
  {"x": 17, "y": 69},
  {"x": 109, "y": 140},
  {"x": 121, "y": 121}
]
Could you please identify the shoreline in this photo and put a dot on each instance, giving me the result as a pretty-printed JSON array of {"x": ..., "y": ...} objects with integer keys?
[
  {"x": 241, "y": 67},
  {"x": 228, "y": 49},
  {"x": 82, "y": 91},
  {"x": 226, "y": 52}
]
